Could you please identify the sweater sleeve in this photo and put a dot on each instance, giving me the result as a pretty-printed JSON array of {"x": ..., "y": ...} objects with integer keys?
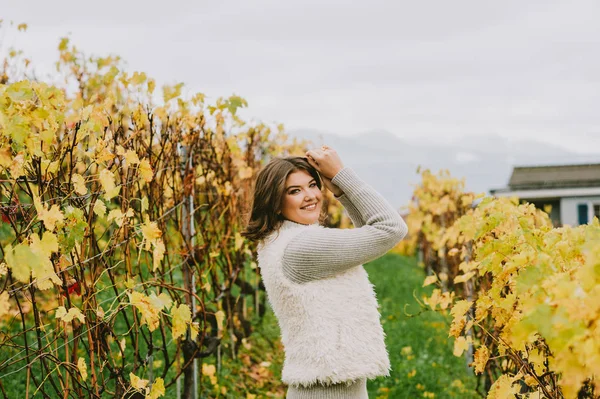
[
  {"x": 351, "y": 210},
  {"x": 325, "y": 252}
]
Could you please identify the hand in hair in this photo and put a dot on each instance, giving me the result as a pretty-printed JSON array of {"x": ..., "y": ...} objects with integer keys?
[{"x": 326, "y": 160}]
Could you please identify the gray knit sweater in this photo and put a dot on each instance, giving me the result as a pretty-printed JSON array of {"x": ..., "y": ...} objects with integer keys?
[
  {"x": 323, "y": 253},
  {"x": 326, "y": 252}
]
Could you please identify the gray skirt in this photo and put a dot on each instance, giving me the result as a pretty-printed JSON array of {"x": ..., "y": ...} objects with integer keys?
[{"x": 358, "y": 390}]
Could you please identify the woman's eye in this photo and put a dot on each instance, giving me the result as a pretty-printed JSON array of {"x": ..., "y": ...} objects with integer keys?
[{"x": 296, "y": 190}]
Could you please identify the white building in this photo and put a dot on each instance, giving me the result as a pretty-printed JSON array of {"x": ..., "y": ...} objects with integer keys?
[{"x": 573, "y": 191}]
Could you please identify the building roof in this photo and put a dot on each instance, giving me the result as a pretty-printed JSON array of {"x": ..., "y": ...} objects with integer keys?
[{"x": 556, "y": 176}]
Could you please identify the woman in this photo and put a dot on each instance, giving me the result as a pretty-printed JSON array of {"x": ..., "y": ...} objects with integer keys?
[{"x": 314, "y": 279}]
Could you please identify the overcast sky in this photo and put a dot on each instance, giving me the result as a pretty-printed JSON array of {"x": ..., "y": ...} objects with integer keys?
[{"x": 423, "y": 70}]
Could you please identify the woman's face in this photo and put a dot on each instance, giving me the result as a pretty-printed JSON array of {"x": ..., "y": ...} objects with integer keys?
[{"x": 301, "y": 190}]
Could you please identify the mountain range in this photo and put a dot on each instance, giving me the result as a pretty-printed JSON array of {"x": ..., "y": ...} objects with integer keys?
[{"x": 389, "y": 163}]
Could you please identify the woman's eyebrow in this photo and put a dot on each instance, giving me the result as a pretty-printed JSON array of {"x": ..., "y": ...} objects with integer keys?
[{"x": 299, "y": 186}]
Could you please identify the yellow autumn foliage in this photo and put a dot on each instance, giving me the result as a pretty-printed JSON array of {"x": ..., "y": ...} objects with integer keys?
[{"x": 536, "y": 287}]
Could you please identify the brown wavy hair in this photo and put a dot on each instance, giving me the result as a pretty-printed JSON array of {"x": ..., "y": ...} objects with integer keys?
[{"x": 269, "y": 192}]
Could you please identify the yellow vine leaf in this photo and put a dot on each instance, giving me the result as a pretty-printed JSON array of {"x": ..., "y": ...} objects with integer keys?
[
  {"x": 438, "y": 298},
  {"x": 460, "y": 308},
  {"x": 537, "y": 358},
  {"x": 6, "y": 157},
  {"x": 220, "y": 316},
  {"x": 207, "y": 287},
  {"x": 138, "y": 78},
  {"x": 99, "y": 208},
  {"x": 198, "y": 98},
  {"x": 503, "y": 388},
  {"x": 458, "y": 323},
  {"x": 194, "y": 329},
  {"x": 158, "y": 254},
  {"x": 461, "y": 344},
  {"x": 481, "y": 357},
  {"x": 102, "y": 153},
  {"x": 152, "y": 238},
  {"x": 239, "y": 241},
  {"x": 430, "y": 280},
  {"x": 531, "y": 381},
  {"x": 73, "y": 313},
  {"x": 150, "y": 232},
  {"x": 42, "y": 269},
  {"x": 49, "y": 166},
  {"x": 144, "y": 204},
  {"x": 157, "y": 390},
  {"x": 463, "y": 277},
  {"x": 209, "y": 370},
  {"x": 79, "y": 183},
  {"x": 82, "y": 367},
  {"x": 170, "y": 92},
  {"x": 138, "y": 383},
  {"x": 19, "y": 259},
  {"x": 182, "y": 317},
  {"x": 17, "y": 166},
  {"x": 151, "y": 85},
  {"x": 50, "y": 217},
  {"x": 107, "y": 180},
  {"x": 100, "y": 312},
  {"x": 149, "y": 307},
  {"x": 163, "y": 300},
  {"x": 25, "y": 259},
  {"x": 145, "y": 170},
  {"x": 4, "y": 304},
  {"x": 131, "y": 158},
  {"x": 118, "y": 216}
]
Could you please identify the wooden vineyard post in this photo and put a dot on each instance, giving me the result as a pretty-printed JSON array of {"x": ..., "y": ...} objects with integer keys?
[{"x": 190, "y": 382}]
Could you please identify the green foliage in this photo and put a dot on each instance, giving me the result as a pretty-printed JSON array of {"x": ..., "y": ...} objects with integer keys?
[{"x": 418, "y": 344}]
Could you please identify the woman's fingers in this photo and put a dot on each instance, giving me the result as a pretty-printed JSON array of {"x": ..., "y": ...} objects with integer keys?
[
  {"x": 313, "y": 163},
  {"x": 317, "y": 155},
  {"x": 326, "y": 161},
  {"x": 312, "y": 157}
]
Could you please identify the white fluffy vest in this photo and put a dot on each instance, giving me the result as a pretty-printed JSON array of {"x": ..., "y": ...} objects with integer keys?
[{"x": 330, "y": 328}]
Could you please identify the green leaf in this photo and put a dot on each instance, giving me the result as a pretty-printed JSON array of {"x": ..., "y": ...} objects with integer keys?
[
  {"x": 74, "y": 229},
  {"x": 234, "y": 103}
]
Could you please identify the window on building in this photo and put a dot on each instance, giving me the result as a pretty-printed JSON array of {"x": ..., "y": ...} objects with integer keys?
[
  {"x": 597, "y": 210},
  {"x": 582, "y": 212}
]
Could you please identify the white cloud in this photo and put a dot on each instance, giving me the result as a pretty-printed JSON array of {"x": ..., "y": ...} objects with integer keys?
[{"x": 423, "y": 70}]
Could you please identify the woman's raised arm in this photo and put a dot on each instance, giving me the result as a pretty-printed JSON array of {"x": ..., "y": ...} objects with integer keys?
[
  {"x": 325, "y": 252},
  {"x": 351, "y": 210}
]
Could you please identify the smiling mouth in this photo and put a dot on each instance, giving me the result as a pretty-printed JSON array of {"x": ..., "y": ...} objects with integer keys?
[{"x": 311, "y": 207}]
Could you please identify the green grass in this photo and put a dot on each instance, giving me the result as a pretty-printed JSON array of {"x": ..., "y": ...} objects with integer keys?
[{"x": 438, "y": 371}]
